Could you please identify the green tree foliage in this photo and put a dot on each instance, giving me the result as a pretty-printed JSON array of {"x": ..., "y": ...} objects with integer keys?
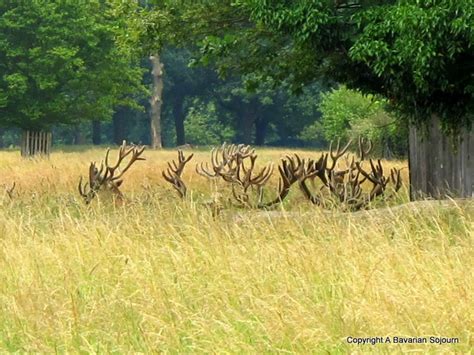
[
  {"x": 343, "y": 110},
  {"x": 258, "y": 106},
  {"x": 418, "y": 54},
  {"x": 60, "y": 63},
  {"x": 348, "y": 114},
  {"x": 422, "y": 55},
  {"x": 203, "y": 126}
]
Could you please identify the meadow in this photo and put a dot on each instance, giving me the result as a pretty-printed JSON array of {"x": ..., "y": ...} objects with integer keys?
[{"x": 158, "y": 274}]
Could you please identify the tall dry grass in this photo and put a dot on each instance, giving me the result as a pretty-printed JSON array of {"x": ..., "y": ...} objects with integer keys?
[{"x": 162, "y": 275}]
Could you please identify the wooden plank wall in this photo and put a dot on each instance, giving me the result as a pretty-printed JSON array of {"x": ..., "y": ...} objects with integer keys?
[{"x": 439, "y": 168}]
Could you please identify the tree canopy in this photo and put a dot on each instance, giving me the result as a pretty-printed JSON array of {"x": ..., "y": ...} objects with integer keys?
[
  {"x": 60, "y": 63},
  {"x": 418, "y": 54}
]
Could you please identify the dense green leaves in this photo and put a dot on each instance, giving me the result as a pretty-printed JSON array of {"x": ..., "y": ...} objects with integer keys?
[
  {"x": 348, "y": 114},
  {"x": 423, "y": 54},
  {"x": 59, "y": 63},
  {"x": 418, "y": 54}
]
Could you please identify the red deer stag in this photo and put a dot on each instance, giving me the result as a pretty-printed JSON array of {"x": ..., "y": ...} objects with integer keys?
[
  {"x": 235, "y": 164},
  {"x": 109, "y": 177},
  {"x": 346, "y": 185}
]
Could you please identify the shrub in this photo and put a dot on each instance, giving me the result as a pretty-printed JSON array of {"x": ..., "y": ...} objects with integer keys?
[{"x": 348, "y": 114}]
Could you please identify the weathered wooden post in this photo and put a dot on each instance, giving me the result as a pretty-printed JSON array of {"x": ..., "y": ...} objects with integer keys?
[
  {"x": 441, "y": 166},
  {"x": 36, "y": 143}
]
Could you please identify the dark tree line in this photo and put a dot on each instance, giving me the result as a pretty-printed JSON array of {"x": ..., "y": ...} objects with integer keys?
[{"x": 265, "y": 116}]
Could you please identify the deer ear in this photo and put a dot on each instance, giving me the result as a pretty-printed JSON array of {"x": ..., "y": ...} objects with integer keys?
[{"x": 118, "y": 183}]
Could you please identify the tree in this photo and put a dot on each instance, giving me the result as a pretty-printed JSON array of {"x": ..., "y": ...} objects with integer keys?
[
  {"x": 348, "y": 114},
  {"x": 413, "y": 52},
  {"x": 203, "y": 126},
  {"x": 60, "y": 63},
  {"x": 184, "y": 84},
  {"x": 417, "y": 54},
  {"x": 96, "y": 132},
  {"x": 141, "y": 13},
  {"x": 156, "y": 100}
]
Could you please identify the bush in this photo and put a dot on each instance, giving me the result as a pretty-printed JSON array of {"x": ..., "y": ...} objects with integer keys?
[{"x": 347, "y": 114}]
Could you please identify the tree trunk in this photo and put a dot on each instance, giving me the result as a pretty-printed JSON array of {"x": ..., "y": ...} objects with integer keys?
[
  {"x": 440, "y": 166},
  {"x": 178, "y": 113},
  {"x": 79, "y": 138},
  {"x": 156, "y": 101},
  {"x": 261, "y": 126},
  {"x": 36, "y": 143},
  {"x": 96, "y": 133},
  {"x": 247, "y": 121},
  {"x": 118, "y": 123}
]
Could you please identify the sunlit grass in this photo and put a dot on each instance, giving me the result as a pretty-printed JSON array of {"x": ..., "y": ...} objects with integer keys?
[{"x": 160, "y": 274}]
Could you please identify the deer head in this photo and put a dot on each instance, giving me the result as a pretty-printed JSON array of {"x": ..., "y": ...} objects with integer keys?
[{"x": 109, "y": 177}]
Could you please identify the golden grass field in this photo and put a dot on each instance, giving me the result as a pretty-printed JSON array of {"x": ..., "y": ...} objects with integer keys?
[{"x": 157, "y": 274}]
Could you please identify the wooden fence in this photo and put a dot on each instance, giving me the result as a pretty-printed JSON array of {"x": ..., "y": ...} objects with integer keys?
[
  {"x": 36, "y": 143},
  {"x": 441, "y": 166}
]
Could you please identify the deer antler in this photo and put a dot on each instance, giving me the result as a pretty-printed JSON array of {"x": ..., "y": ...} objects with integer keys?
[
  {"x": 98, "y": 178},
  {"x": 320, "y": 169},
  {"x": 89, "y": 189},
  {"x": 173, "y": 173},
  {"x": 311, "y": 170},
  {"x": 346, "y": 184},
  {"x": 291, "y": 170},
  {"x": 395, "y": 178},
  {"x": 378, "y": 180},
  {"x": 335, "y": 155},
  {"x": 287, "y": 178},
  {"x": 235, "y": 164},
  {"x": 124, "y": 151},
  {"x": 9, "y": 190},
  {"x": 245, "y": 178},
  {"x": 364, "y": 152},
  {"x": 224, "y": 161}
]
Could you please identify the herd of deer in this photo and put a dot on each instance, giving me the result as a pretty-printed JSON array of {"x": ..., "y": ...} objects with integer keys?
[{"x": 323, "y": 182}]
